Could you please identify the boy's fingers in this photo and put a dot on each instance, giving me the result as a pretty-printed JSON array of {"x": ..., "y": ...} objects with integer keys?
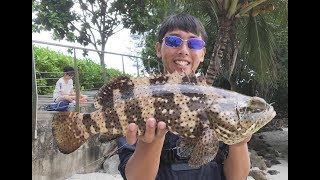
[
  {"x": 131, "y": 135},
  {"x": 149, "y": 135},
  {"x": 161, "y": 129}
]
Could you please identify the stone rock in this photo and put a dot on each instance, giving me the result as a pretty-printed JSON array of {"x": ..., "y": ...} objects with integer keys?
[
  {"x": 257, "y": 161},
  {"x": 110, "y": 165},
  {"x": 258, "y": 175},
  {"x": 273, "y": 172}
]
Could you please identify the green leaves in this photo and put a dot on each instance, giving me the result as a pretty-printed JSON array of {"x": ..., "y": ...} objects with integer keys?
[
  {"x": 258, "y": 66},
  {"x": 92, "y": 23},
  {"x": 49, "y": 65}
]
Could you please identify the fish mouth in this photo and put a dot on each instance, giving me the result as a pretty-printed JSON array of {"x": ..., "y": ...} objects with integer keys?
[
  {"x": 255, "y": 108},
  {"x": 266, "y": 112}
]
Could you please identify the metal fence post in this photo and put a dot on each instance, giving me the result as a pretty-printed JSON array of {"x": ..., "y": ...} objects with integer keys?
[
  {"x": 137, "y": 67},
  {"x": 34, "y": 99},
  {"x": 77, "y": 83},
  {"x": 122, "y": 65}
]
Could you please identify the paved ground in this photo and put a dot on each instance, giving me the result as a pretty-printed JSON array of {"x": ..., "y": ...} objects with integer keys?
[{"x": 96, "y": 176}]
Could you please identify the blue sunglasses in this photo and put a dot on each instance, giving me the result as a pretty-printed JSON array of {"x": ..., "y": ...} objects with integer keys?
[{"x": 175, "y": 42}]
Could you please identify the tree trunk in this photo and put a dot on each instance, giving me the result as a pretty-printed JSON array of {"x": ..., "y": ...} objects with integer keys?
[
  {"x": 103, "y": 66},
  {"x": 220, "y": 45}
]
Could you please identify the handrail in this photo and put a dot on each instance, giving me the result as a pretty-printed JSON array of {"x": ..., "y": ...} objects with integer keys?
[
  {"x": 77, "y": 85},
  {"x": 88, "y": 49}
]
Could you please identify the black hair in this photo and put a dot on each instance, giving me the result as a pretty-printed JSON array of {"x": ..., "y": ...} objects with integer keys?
[
  {"x": 68, "y": 69},
  {"x": 182, "y": 21}
]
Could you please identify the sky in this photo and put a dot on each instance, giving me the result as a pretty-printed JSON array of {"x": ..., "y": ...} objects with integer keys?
[{"x": 121, "y": 42}]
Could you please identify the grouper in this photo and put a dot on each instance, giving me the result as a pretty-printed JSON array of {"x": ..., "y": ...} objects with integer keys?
[{"x": 199, "y": 114}]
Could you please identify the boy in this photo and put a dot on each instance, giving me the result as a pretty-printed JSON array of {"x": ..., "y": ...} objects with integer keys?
[
  {"x": 180, "y": 46},
  {"x": 64, "y": 87}
]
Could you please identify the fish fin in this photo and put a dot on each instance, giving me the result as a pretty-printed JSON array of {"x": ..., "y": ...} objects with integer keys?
[
  {"x": 124, "y": 85},
  {"x": 105, "y": 96},
  {"x": 68, "y": 131},
  {"x": 185, "y": 146},
  {"x": 205, "y": 149},
  {"x": 181, "y": 78},
  {"x": 202, "y": 80}
]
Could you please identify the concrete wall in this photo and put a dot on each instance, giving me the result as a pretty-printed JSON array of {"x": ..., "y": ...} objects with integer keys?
[{"x": 49, "y": 164}]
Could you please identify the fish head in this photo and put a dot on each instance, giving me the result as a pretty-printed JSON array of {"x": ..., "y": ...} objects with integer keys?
[
  {"x": 256, "y": 112},
  {"x": 234, "y": 118}
]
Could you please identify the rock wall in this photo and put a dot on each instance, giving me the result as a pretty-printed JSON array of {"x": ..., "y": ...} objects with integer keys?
[{"x": 48, "y": 163}]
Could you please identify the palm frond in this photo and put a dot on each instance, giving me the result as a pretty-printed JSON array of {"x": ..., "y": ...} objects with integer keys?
[{"x": 259, "y": 47}]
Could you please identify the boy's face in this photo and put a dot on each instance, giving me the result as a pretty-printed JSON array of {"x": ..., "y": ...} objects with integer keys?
[
  {"x": 182, "y": 58},
  {"x": 69, "y": 75}
]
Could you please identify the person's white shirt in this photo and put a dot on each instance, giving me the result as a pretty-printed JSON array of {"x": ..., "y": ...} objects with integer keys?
[{"x": 62, "y": 87}]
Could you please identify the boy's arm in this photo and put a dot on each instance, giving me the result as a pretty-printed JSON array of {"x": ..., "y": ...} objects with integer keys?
[
  {"x": 144, "y": 162},
  {"x": 237, "y": 164},
  {"x": 57, "y": 90},
  {"x": 72, "y": 92}
]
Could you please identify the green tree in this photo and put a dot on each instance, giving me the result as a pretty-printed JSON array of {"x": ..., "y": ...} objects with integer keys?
[
  {"x": 84, "y": 21},
  {"x": 241, "y": 28},
  {"x": 241, "y": 35},
  {"x": 143, "y": 18},
  {"x": 49, "y": 65}
]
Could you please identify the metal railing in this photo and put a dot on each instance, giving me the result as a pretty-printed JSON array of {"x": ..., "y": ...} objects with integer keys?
[
  {"x": 105, "y": 52},
  {"x": 77, "y": 84}
]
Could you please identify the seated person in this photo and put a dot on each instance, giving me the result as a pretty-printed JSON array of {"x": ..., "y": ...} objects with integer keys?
[{"x": 64, "y": 88}]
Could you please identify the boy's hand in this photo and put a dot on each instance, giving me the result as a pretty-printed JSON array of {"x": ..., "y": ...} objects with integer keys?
[{"x": 154, "y": 131}]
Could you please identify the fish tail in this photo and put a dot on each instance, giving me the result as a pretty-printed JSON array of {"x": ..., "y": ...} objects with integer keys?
[{"x": 69, "y": 131}]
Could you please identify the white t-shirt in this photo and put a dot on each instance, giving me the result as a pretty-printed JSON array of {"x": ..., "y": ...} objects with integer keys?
[{"x": 62, "y": 87}]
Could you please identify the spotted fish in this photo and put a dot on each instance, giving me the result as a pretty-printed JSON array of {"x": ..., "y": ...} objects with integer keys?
[{"x": 201, "y": 115}]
